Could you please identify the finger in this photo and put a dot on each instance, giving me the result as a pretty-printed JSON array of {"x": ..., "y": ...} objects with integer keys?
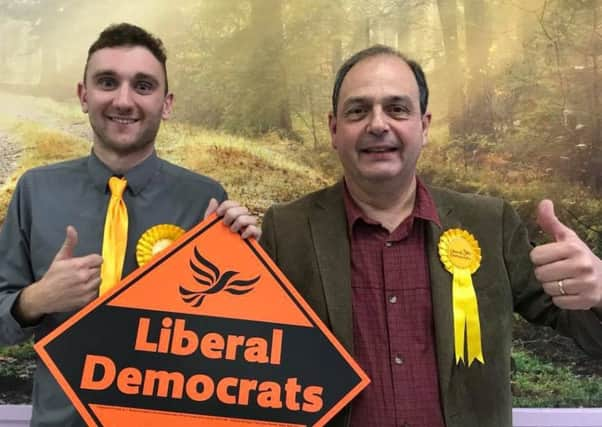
[
  {"x": 243, "y": 221},
  {"x": 572, "y": 302},
  {"x": 235, "y": 214},
  {"x": 86, "y": 299},
  {"x": 553, "y": 288},
  {"x": 94, "y": 273},
  {"x": 211, "y": 207},
  {"x": 251, "y": 231},
  {"x": 66, "y": 250},
  {"x": 225, "y": 206},
  {"x": 93, "y": 284},
  {"x": 550, "y": 224},
  {"x": 557, "y": 271},
  {"x": 552, "y": 252},
  {"x": 90, "y": 261}
]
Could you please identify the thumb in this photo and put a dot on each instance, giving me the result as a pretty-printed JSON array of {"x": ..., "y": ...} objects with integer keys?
[
  {"x": 66, "y": 251},
  {"x": 211, "y": 207},
  {"x": 549, "y": 223}
]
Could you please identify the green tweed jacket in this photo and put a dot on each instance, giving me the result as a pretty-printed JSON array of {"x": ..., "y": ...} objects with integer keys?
[{"x": 307, "y": 239}]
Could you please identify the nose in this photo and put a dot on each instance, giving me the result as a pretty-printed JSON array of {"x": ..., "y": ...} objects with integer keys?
[
  {"x": 377, "y": 123},
  {"x": 123, "y": 98}
]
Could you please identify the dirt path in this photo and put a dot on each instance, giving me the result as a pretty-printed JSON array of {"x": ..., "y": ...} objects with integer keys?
[
  {"x": 27, "y": 108},
  {"x": 10, "y": 152}
]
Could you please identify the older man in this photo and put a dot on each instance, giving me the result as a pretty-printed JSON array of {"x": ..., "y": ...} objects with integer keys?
[{"x": 420, "y": 283}]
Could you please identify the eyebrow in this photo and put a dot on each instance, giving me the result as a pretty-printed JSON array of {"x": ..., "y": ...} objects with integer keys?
[
  {"x": 355, "y": 100},
  {"x": 137, "y": 76},
  {"x": 401, "y": 99},
  {"x": 102, "y": 73},
  {"x": 395, "y": 99},
  {"x": 144, "y": 76}
]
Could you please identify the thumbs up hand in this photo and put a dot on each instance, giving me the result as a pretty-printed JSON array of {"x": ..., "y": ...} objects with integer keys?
[
  {"x": 66, "y": 251},
  {"x": 69, "y": 284},
  {"x": 567, "y": 268}
]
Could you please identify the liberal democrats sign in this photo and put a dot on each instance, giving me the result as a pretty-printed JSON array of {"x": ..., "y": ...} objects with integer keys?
[{"x": 208, "y": 333}]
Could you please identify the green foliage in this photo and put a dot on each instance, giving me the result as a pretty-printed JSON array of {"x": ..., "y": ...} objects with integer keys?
[
  {"x": 538, "y": 384},
  {"x": 493, "y": 171},
  {"x": 20, "y": 351},
  {"x": 17, "y": 361}
]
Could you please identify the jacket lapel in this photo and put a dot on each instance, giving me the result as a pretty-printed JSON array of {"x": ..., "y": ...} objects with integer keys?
[
  {"x": 441, "y": 288},
  {"x": 328, "y": 223}
]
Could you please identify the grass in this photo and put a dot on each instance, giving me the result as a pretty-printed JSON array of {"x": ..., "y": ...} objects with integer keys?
[
  {"x": 40, "y": 146},
  {"x": 256, "y": 172},
  {"x": 20, "y": 351},
  {"x": 24, "y": 354},
  {"x": 538, "y": 384}
]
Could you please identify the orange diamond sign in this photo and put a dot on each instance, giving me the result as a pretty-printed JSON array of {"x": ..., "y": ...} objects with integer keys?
[{"x": 209, "y": 332}]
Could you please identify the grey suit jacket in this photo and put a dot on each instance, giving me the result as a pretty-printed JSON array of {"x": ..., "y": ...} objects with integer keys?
[{"x": 308, "y": 240}]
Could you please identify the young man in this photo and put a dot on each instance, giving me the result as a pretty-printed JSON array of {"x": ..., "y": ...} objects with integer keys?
[
  {"x": 378, "y": 254},
  {"x": 57, "y": 244}
]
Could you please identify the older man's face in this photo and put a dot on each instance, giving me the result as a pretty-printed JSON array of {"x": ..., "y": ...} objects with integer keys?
[{"x": 378, "y": 131}]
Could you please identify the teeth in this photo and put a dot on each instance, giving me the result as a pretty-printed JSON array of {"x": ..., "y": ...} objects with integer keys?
[
  {"x": 379, "y": 150},
  {"x": 122, "y": 120}
]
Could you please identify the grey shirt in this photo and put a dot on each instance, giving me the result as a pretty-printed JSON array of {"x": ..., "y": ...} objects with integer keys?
[{"x": 47, "y": 200}]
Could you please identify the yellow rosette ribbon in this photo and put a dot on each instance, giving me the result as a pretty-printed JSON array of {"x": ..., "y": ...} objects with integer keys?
[
  {"x": 461, "y": 255},
  {"x": 154, "y": 240}
]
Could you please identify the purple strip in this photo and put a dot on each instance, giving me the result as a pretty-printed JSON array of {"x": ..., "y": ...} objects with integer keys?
[
  {"x": 15, "y": 415},
  {"x": 569, "y": 417},
  {"x": 19, "y": 415}
]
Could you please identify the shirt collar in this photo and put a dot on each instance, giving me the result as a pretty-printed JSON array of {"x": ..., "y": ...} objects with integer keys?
[
  {"x": 424, "y": 207},
  {"x": 138, "y": 177}
]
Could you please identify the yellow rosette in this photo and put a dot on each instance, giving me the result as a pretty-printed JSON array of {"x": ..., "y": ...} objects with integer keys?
[
  {"x": 154, "y": 240},
  {"x": 461, "y": 255}
]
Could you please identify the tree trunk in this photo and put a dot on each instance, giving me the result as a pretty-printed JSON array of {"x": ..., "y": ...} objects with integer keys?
[
  {"x": 455, "y": 95},
  {"x": 595, "y": 164},
  {"x": 479, "y": 118},
  {"x": 267, "y": 70}
]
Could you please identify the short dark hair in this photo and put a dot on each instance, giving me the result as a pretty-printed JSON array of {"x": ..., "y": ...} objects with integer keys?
[
  {"x": 378, "y": 50},
  {"x": 125, "y": 34}
]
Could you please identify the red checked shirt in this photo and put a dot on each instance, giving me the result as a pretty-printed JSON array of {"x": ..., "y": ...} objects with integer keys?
[{"x": 393, "y": 319}]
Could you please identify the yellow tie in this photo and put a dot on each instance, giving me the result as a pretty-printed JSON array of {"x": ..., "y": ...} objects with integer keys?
[{"x": 115, "y": 236}]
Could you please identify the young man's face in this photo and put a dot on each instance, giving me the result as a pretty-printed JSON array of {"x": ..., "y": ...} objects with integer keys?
[
  {"x": 379, "y": 131},
  {"x": 124, "y": 96}
]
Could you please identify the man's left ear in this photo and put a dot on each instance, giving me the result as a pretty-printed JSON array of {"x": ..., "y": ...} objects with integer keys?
[
  {"x": 83, "y": 96},
  {"x": 167, "y": 106},
  {"x": 426, "y": 123},
  {"x": 332, "y": 127}
]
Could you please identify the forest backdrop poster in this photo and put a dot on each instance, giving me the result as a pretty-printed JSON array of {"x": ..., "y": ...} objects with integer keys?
[{"x": 515, "y": 96}]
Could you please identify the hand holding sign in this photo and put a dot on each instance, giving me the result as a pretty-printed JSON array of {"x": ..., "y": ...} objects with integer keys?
[
  {"x": 235, "y": 216},
  {"x": 568, "y": 270},
  {"x": 69, "y": 284}
]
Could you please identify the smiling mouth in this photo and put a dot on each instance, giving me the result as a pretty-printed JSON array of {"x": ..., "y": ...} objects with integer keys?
[
  {"x": 123, "y": 120},
  {"x": 379, "y": 150}
]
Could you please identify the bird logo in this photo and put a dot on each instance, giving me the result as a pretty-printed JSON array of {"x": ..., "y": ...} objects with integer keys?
[{"x": 211, "y": 281}]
